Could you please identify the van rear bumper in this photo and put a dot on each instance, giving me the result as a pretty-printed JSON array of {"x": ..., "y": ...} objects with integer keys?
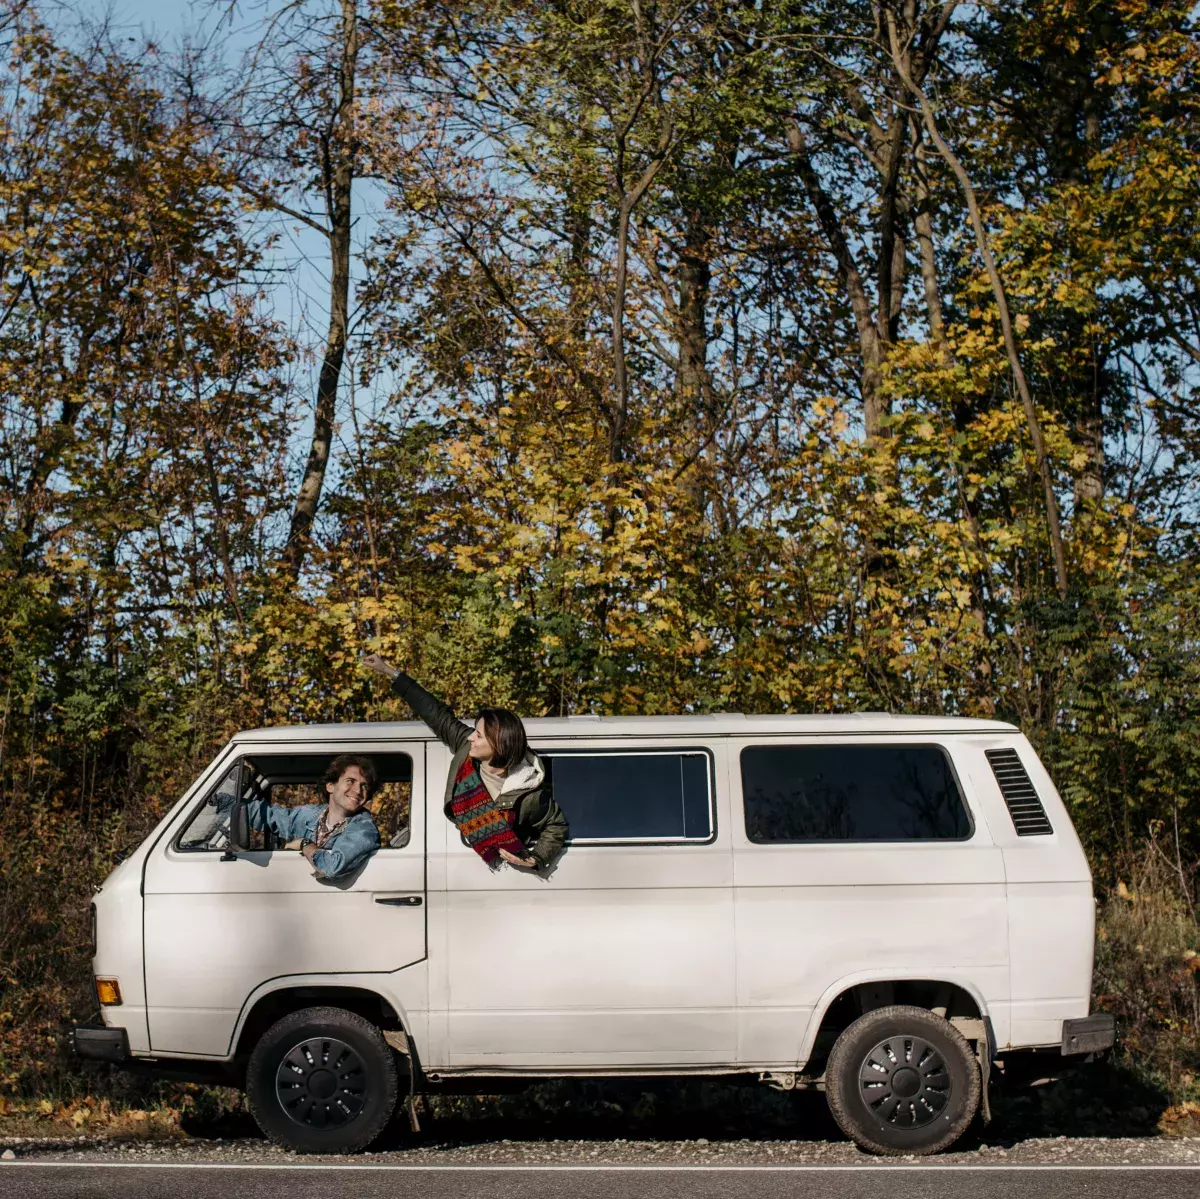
[
  {"x": 98, "y": 1043},
  {"x": 1091, "y": 1034}
]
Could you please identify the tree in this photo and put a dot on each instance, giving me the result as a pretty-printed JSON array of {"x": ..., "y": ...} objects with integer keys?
[{"x": 299, "y": 112}]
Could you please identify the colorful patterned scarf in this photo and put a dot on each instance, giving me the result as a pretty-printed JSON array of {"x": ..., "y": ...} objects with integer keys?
[{"x": 485, "y": 826}]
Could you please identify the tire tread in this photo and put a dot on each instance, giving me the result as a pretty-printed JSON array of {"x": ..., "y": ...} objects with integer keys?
[
  {"x": 334, "y": 1019},
  {"x": 844, "y": 1057}
]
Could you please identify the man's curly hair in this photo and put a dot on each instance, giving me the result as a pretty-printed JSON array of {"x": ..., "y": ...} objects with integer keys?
[{"x": 343, "y": 762}]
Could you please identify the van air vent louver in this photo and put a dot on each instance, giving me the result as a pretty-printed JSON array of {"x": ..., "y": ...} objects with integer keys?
[{"x": 1028, "y": 815}]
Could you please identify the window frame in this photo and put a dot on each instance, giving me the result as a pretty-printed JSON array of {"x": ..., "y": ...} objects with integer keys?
[
  {"x": 947, "y": 757},
  {"x": 710, "y": 773},
  {"x": 239, "y": 762}
]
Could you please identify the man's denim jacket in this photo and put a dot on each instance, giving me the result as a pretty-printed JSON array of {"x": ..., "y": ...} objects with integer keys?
[{"x": 340, "y": 855}]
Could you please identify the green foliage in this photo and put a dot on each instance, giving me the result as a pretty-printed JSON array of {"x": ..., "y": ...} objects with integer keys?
[{"x": 505, "y": 521}]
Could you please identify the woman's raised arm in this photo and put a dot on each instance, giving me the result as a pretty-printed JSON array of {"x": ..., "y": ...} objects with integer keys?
[{"x": 439, "y": 716}]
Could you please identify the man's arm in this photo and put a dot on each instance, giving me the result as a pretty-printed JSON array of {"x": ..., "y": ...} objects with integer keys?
[
  {"x": 347, "y": 852},
  {"x": 262, "y": 814},
  {"x": 283, "y": 822}
]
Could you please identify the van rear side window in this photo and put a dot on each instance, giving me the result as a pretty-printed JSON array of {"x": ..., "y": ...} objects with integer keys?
[
  {"x": 648, "y": 795},
  {"x": 851, "y": 793}
]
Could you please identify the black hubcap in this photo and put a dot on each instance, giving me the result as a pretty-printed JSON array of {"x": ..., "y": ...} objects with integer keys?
[
  {"x": 904, "y": 1082},
  {"x": 321, "y": 1083}
]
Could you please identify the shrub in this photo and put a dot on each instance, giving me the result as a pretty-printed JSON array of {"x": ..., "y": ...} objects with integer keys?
[{"x": 1148, "y": 971}]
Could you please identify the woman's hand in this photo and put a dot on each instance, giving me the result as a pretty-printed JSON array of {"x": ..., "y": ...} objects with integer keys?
[
  {"x": 376, "y": 663},
  {"x": 512, "y": 859}
]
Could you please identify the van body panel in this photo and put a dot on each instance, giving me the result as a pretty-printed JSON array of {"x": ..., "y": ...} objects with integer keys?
[
  {"x": 120, "y": 916},
  {"x": 1052, "y": 930},
  {"x": 811, "y": 914},
  {"x": 405, "y": 990},
  {"x": 215, "y": 929},
  {"x": 1057, "y": 856},
  {"x": 119, "y": 952},
  {"x": 544, "y": 729},
  {"x": 435, "y": 1052},
  {"x": 602, "y": 973},
  {"x": 945, "y": 933},
  {"x": 976, "y": 982},
  {"x": 1051, "y": 912},
  {"x": 620, "y": 953},
  {"x": 684, "y": 956}
]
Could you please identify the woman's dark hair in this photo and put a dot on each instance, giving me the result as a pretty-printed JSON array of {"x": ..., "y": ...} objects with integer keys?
[
  {"x": 507, "y": 735},
  {"x": 343, "y": 762}
]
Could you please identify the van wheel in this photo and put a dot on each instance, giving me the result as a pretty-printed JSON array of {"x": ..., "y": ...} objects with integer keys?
[
  {"x": 322, "y": 1080},
  {"x": 902, "y": 1080}
]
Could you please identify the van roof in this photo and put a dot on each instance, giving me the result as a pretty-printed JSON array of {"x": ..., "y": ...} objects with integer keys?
[{"x": 718, "y": 723}]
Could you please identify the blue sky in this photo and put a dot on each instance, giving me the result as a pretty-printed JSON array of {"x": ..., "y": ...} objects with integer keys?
[
  {"x": 166, "y": 19},
  {"x": 302, "y": 299}
]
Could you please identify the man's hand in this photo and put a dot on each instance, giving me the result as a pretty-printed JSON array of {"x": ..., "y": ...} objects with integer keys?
[
  {"x": 308, "y": 850},
  {"x": 377, "y": 663},
  {"x": 513, "y": 860}
]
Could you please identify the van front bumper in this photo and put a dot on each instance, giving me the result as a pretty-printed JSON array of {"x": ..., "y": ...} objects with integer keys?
[
  {"x": 1092, "y": 1034},
  {"x": 98, "y": 1043}
]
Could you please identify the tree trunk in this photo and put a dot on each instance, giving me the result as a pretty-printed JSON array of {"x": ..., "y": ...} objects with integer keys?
[
  {"x": 960, "y": 411},
  {"x": 923, "y": 223},
  {"x": 875, "y": 405},
  {"x": 1089, "y": 487},
  {"x": 890, "y": 265},
  {"x": 629, "y": 202},
  {"x": 579, "y": 291},
  {"x": 53, "y": 445},
  {"x": 339, "y": 179},
  {"x": 229, "y": 574},
  {"x": 620, "y": 385},
  {"x": 692, "y": 381},
  {"x": 1053, "y": 526}
]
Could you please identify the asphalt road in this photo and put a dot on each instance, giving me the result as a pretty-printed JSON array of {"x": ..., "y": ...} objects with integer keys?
[{"x": 55, "y": 1180}]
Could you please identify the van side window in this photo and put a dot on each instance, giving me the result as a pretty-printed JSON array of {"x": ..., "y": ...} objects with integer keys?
[
  {"x": 294, "y": 780},
  {"x": 209, "y": 825},
  {"x": 851, "y": 792},
  {"x": 645, "y": 795}
]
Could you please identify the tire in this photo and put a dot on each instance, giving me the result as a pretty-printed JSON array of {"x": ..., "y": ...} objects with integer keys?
[
  {"x": 322, "y": 1080},
  {"x": 901, "y": 1080}
]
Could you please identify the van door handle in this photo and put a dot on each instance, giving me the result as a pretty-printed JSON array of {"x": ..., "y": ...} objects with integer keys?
[{"x": 400, "y": 901}]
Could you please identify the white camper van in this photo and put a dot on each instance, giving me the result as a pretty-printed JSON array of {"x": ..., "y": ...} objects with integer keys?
[{"x": 887, "y": 907}]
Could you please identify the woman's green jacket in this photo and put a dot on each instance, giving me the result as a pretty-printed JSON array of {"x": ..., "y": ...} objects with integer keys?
[{"x": 539, "y": 821}]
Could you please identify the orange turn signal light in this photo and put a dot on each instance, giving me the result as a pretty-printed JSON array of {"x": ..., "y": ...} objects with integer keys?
[{"x": 108, "y": 991}]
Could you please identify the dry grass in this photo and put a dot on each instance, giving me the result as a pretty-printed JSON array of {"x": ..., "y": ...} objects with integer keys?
[{"x": 1148, "y": 973}]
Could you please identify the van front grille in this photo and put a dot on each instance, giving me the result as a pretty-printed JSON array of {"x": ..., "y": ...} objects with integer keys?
[{"x": 1028, "y": 816}]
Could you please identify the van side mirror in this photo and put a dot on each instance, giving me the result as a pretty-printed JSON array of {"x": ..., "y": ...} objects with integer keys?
[{"x": 239, "y": 831}]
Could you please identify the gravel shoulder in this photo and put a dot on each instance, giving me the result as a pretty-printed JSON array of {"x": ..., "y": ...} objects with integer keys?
[
  {"x": 1105, "y": 1122},
  {"x": 428, "y": 1150}
]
